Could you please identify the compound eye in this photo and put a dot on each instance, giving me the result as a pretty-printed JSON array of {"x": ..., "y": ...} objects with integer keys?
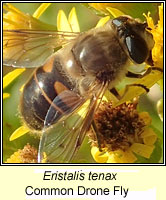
[
  {"x": 120, "y": 21},
  {"x": 137, "y": 48},
  {"x": 117, "y": 22}
]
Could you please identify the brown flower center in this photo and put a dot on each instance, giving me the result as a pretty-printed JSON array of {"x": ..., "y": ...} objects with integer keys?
[
  {"x": 118, "y": 127},
  {"x": 28, "y": 154}
]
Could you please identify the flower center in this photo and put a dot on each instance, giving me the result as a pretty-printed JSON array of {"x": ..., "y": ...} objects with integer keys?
[{"x": 118, "y": 127}]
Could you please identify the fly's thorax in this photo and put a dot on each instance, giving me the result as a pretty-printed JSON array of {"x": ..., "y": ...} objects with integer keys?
[
  {"x": 94, "y": 56},
  {"x": 99, "y": 54},
  {"x": 69, "y": 63}
]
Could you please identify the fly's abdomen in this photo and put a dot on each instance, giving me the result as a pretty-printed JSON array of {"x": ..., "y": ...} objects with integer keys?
[{"x": 44, "y": 86}]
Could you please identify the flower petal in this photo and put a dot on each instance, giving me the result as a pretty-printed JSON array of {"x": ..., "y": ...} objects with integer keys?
[
  {"x": 142, "y": 149},
  {"x": 146, "y": 118},
  {"x": 22, "y": 88},
  {"x": 26, "y": 155},
  {"x": 116, "y": 157},
  {"x": 6, "y": 95},
  {"x": 149, "y": 136},
  {"x": 129, "y": 157},
  {"x": 11, "y": 77},
  {"x": 115, "y": 12},
  {"x": 44, "y": 160},
  {"x": 22, "y": 130},
  {"x": 62, "y": 22},
  {"x": 112, "y": 158},
  {"x": 120, "y": 156},
  {"x": 149, "y": 20},
  {"x": 10, "y": 6},
  {"x": 14, "y": 158},
  {"x": 102, "y": 21},
  {"x": 73, "y": 20},
  {"x": 41, "y": 10},
  {"x": 157, "y": 31},
  {"x": 98, "y": 155},
  {"x": 160, "y": 109}
]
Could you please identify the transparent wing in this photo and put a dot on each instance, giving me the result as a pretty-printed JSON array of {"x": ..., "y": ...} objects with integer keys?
[
  {"x": 63, "y": 104},
  {"x": 60, "y": 142},
  {"x": 31, "y": 48}
]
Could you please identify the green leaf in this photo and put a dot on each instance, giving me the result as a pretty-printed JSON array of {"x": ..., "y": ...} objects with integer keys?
[
  {"x": 97, "y": 12},
  {"x": 135, "y": 10}
]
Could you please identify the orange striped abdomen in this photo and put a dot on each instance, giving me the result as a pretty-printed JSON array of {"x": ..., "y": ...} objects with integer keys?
[{"x": 46, "y": 83}]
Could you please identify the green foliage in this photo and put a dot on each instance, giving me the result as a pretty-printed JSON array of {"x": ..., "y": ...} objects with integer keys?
[{"x": 133, "y": 9}]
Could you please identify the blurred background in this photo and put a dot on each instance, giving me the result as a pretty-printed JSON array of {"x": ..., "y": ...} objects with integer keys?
[{"x": 87, "y": 20}]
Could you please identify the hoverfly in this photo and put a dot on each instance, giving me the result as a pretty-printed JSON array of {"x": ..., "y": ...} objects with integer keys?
[{"x": 67, "y": 86}]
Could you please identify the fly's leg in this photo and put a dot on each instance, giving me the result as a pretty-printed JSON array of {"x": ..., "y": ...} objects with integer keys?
[
  {"x": 148, "y": 71},
  {"x": 115, "y": 93},
  {"x": 138, "y": 85},
  {"x": 133, "y": 75},
  {"x": 96, "y": 132}
]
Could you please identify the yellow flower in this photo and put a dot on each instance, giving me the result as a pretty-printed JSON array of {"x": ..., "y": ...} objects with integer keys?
[
  {"x": 68, "y": 24},
  {"x": 27, "y": 155},
  {"x": 157, "y": 32},
  {"x": 122, "y": 131},
  {"x": 157, "y": 52}
]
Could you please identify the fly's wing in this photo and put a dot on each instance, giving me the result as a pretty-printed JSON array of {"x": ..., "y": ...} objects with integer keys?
[
  {"x": 63, "y": 104},
  {"x": 31, "y": 48},
  {"x": 61, "y": 140}
]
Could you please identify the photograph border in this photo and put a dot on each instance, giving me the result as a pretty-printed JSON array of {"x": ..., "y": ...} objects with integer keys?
[{"x": 81, "y": 164}]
